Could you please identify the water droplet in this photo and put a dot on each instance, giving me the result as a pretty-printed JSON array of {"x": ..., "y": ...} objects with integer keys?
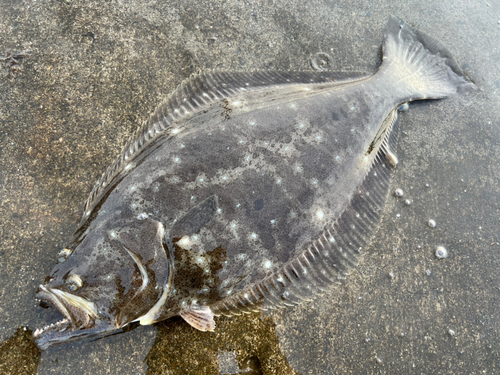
[
  {"x": 398, "y": 192},
  {"x": 321, "y": 62},
  {"x": 441, "y": 252},
  {"x": 403, "y": 107},
  {"x": 431, "y": 223}
]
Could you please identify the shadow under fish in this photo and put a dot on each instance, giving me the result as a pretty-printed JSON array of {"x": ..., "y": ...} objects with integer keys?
[{"x": 242, "y": 192}]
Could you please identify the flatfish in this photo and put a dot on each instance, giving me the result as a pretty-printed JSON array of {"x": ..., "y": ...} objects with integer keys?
[{"x": 242, "y": 192}]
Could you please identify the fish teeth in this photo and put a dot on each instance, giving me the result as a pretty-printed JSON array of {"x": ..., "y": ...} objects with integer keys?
[{"x": 39, "y": 331}]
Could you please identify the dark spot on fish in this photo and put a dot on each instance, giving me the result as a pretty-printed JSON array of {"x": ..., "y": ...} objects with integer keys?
[
  {"x": 190, "y": 275},
  {"x": 371, "y": 147},
  {"x": 258, "y": 204},
  {"x": 226, "y": 113}
]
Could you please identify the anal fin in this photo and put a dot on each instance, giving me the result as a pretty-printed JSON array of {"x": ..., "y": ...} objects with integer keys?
[{"x": 199, "y": 317}]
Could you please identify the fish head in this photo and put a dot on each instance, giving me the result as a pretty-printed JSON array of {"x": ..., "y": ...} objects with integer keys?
[{"x": 116, "y": 275}]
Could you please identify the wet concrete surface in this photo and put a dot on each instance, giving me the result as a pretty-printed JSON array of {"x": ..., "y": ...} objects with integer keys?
[{"x": 76, "y": 79}]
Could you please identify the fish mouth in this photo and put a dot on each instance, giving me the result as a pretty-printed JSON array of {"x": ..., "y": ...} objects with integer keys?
[{"x": 79, "y": 320}]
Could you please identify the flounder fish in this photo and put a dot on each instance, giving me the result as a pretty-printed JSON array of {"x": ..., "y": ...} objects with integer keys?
[{"x": 242, "y": 192}]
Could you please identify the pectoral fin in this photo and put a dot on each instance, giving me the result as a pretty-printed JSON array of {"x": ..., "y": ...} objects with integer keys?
[
  {"x": 200, "y": 317},
  {"x": 196, "y": 218}
]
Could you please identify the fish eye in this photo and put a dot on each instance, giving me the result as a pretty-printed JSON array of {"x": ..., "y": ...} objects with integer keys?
[
  {"x": 72, "y": 287},
  {"x": 73, "y": 283}
]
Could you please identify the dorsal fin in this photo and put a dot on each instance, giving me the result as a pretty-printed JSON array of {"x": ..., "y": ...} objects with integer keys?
[
  {"x": 190, "y": 96},
  {"x": 327, "y": 259}
]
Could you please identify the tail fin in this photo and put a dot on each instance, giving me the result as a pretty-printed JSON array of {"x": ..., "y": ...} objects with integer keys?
[{"x": 421, "y": 67}]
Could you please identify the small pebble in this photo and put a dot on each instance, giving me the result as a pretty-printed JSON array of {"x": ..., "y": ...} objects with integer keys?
[
  {"x": 441, "y": 252},
  {"x": 431, "y": 223},
  {"x": 399, "y": 192}
]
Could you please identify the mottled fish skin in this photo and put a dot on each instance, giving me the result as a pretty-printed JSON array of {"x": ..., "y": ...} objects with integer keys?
[{"x": 242, "y": 192}]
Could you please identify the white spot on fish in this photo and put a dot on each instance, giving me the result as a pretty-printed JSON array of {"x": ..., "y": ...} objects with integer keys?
[
  {"x": 184, "y": 242},
  {"x": 320, "y": 214}
]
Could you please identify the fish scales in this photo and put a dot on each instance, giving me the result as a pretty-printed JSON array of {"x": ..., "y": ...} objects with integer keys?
[{"x": 243, "y": 192}]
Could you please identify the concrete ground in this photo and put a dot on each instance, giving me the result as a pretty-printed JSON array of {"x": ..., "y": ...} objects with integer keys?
[{"x": 76, "y": 79}]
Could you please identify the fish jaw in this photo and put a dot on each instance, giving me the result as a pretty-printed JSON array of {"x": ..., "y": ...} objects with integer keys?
[{"x": 80, "y": 319}]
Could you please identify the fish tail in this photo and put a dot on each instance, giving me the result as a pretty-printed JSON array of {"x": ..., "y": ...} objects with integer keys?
[{"x": 421, "y": 67}]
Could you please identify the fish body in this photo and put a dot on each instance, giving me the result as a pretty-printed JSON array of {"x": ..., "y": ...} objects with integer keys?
[{"x": 242, "y": 192}]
